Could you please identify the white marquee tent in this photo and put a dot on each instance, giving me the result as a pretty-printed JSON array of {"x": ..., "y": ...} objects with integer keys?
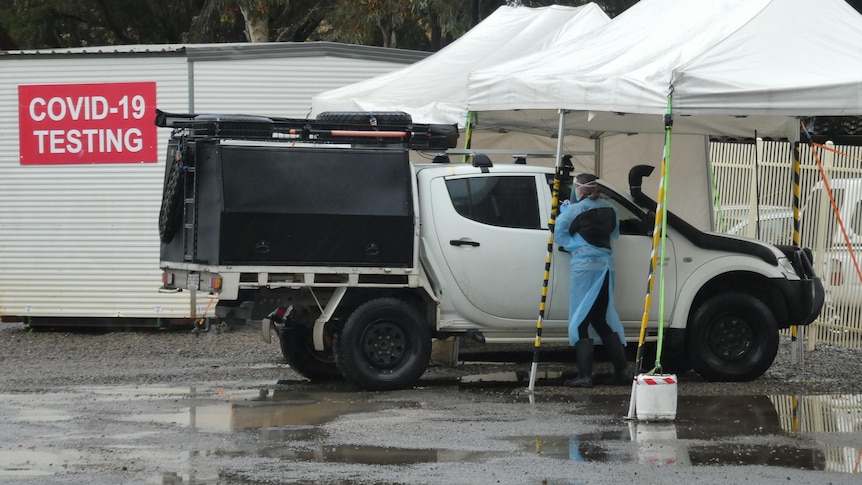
[
  {"x": 434, "y": 90},
  {"x": 735, "y": 66}
]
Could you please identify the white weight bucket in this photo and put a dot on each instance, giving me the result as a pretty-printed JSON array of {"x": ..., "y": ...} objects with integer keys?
[{"x": 656, "y": 397}]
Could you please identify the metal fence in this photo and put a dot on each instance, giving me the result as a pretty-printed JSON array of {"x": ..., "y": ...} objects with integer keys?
[{"x": 754, "y": 185}]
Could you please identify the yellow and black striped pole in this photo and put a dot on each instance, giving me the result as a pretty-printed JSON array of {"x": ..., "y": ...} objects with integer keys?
[
  {"x": 658, "y": 238},
  {"x": 551, "y": 224},
  {"x": 653, "y": 260},
  {"x": 795, "y": 349},
  {"x": 555, "y": 195}
]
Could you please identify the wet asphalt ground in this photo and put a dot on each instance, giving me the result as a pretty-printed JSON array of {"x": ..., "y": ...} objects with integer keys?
[{"x": 169, "y": 407}]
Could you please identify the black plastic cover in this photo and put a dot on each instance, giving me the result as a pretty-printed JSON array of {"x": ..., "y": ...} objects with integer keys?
[{"x": 301, "y": 206}]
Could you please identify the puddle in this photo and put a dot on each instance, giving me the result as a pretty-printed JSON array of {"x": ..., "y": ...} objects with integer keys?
[
  {"x": 380, "y": 455},
  {"x": 29, "y": 463},
  {"x": 822, "y": 432},
  {"x": 264, "y": 409},
  {"x": 655, "y": 444},
  {"x": 741, "y": 430},
  {"x": 733, "y": 431}
]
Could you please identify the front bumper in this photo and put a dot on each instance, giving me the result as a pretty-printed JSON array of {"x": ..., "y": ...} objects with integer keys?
[{"x": 805, "y": 296}]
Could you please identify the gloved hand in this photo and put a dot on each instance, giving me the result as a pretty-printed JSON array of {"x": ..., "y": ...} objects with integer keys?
[{"x": 564, "y": 206}]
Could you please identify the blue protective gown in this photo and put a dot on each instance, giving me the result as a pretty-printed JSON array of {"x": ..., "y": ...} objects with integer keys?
[{"x": 589, "y": 265}]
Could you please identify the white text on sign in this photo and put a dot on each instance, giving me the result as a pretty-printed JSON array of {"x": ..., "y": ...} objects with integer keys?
[{"x": 87, "y": 123}]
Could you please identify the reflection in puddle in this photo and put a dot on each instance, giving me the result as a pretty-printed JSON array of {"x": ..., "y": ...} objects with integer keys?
[
  {"x": 264, "y": 409},
  {"x": 656, "y": 444},
  {"x": 380, "y": 455},
  {"x": 734, "y": 428}
]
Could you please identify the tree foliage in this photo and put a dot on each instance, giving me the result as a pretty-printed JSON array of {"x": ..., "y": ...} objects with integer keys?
[{"x": 410, "y": 24}]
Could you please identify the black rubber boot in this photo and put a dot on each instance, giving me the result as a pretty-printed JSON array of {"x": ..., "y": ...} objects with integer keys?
[
  {"x": 584, "y": 354},
  {"x": 623, "y": 371}
]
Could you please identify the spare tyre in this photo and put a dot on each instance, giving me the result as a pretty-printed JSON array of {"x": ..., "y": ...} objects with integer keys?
[
  {"x": 365, "y": 117},
  {"x": 171, "y": 212}
]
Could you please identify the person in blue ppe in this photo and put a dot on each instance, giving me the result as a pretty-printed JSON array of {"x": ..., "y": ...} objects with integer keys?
[{"x": 587, "y": 229}]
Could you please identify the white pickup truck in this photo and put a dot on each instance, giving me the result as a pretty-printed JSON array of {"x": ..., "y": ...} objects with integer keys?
[{"x": 324, "y": 230}]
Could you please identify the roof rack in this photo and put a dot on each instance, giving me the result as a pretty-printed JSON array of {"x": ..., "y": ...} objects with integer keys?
[{"x": 348, "y": 129}]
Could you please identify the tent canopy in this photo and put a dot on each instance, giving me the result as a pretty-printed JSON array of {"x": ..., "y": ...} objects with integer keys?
[
  {"x": 434, "y": 90},
  {"x": 734, "y": 66}
]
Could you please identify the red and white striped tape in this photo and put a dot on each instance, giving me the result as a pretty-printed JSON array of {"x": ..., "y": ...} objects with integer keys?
[{"x": 654, "y": 381}]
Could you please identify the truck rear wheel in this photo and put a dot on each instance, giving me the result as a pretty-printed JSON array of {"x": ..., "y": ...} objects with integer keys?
[
  {"x": 297, "y": 346},
  {"x": 732, "y": 337},
  {"x": 385, "y": 344}
]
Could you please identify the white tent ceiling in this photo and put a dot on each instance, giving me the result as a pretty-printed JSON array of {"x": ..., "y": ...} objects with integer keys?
[
  {"x": 735, "y": 66},
  {"x": 434, "y": 90}
]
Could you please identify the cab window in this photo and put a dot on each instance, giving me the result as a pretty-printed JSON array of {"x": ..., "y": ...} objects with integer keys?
[
  {"x": 632, "y": 220},
  {"x": 505, "y": 201}
]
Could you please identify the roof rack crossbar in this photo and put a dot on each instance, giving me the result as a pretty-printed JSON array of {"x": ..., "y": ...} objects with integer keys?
[{"x": 250, "y": 127}]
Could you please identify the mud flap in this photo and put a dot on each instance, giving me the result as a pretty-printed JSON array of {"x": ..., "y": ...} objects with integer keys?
[{"x": 266, "y": 329}]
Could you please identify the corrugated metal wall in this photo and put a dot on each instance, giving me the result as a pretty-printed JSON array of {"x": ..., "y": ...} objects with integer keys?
[
  {"x": 281, "y": 88},
  {"x": 82, "y": 240}
]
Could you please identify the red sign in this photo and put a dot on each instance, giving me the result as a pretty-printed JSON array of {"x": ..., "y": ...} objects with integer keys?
[{"x": 87, "y": 123}]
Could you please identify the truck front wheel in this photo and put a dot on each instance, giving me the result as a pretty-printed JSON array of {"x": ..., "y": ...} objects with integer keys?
[
  {"x": 732, "y": 337},
  {"x": 384, "y": 345}
]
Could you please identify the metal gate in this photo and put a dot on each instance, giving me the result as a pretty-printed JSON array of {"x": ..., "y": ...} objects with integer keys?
[{"x": 753, "y": 196}]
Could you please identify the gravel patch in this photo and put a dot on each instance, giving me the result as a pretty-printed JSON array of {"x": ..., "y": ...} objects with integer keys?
[{"x": 38, "y": 359}]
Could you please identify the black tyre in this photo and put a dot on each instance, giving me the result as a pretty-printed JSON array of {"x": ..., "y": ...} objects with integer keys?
[
  {"x": 384, "y": 345},
  {"x": 732, "y": 337},
  {"x": 171, "y": 212},
  {"x": 297, "y": 346},
  {"x": 365, "y": 118}
]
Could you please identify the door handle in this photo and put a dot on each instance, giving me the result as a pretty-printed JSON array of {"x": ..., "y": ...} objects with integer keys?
[{"x": 461, "y": 242}]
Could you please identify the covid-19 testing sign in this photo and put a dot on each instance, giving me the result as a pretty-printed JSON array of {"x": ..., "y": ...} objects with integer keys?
[{"x": 87, "y": 123}]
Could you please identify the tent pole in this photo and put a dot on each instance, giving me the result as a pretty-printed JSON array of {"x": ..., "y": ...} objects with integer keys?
[
  {"x": 468, "y": 136},
  {"x": 597, "y": 163},
  {"x": 555, "y": 193}
]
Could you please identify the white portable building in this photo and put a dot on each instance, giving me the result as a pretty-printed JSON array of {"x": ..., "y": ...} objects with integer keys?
[{"x": 82, "y": 164}]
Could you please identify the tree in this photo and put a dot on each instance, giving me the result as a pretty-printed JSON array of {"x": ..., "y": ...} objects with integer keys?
[
  {"x": 6, "y": 42},
  {"x": 611, "y": 7},
  {"x": 81, "y": 23},
  {"x": 261, "y": 20},
  {"x": 409, "y": 24}
]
